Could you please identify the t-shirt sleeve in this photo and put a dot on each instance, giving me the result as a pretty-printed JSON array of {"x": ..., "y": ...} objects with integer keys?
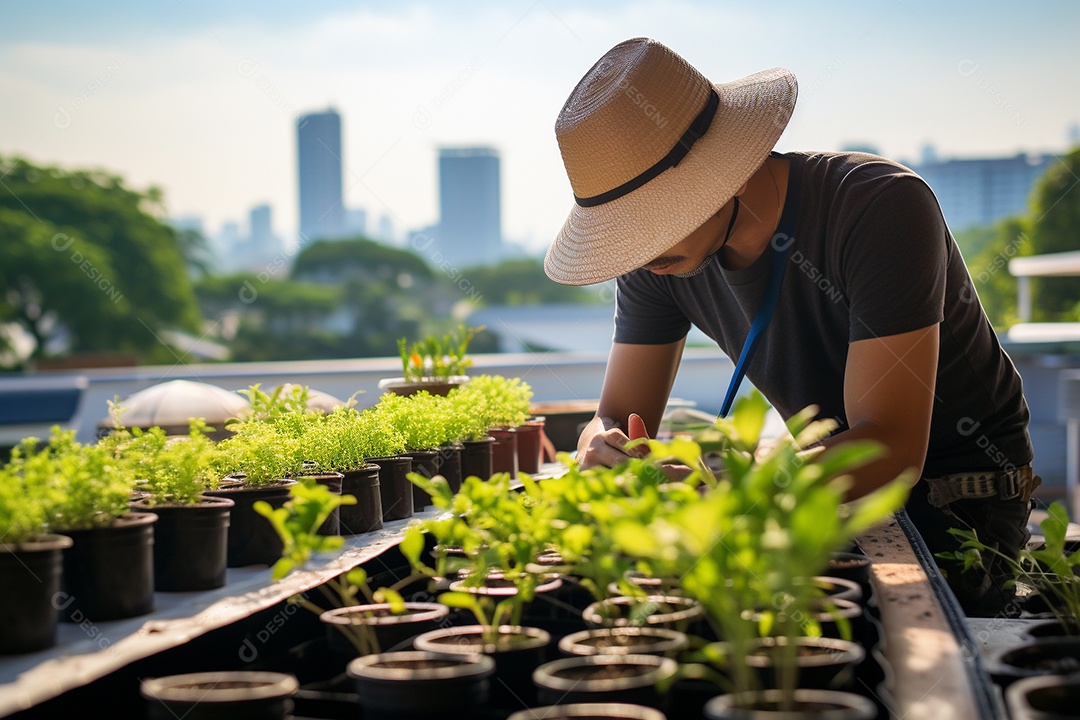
[
  {"x": 895, "y": 260},
  {"x": 645, "y": 311}
]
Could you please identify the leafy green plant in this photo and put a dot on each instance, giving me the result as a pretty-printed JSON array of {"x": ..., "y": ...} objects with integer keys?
[
  {"x": 499, "y": 531},
  {"x": 297, "y": 523},
  {"x": 495, "y": 401},
  {"x": 747, "y": 545},
  {"x": 260, "y": 450},
  {"x": 420, "y": 418},
  {"x": 79, "y": 486},
  {"x": 22, "y": 514},
  {"x": 435, "y": 358},
  {"x": 172, "y": 470},
  {"x": 1049, "y": 569}
]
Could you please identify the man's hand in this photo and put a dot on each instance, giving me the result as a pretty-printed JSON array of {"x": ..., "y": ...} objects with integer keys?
[{"x": 607, "y": 445}]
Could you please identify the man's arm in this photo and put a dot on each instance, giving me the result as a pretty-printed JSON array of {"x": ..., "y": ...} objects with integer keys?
[
  {"x": 638, "y": 380},
  {"x": 889, "y": 397}
]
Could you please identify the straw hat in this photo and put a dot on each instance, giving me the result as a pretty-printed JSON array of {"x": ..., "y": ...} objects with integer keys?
[{"x": 653, "y": 150}]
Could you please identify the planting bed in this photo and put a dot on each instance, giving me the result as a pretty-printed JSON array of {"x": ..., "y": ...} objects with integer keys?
[{"x": 919, "y": 659}]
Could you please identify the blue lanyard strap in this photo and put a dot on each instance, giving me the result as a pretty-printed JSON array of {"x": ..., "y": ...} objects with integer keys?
[{"x": 761, "y": 319}]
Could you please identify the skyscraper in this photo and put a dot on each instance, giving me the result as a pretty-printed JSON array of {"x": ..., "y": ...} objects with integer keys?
[
  {"x": 470, "y": 206},
  {"x": 318, "y": 146}
]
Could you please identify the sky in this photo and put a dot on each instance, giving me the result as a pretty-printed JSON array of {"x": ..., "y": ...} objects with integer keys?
[{"x": 200, "y": 97}]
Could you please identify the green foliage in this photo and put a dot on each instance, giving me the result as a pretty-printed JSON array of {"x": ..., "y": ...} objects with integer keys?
[
  {"x": 84, "y": 254},
  {"x": 743, "y": 542},
  {"x": 494, "y": 401},
  {"x": 1055, "y": 227},
  {"x": 523, "y": 282},
  {"x": 359, "y": 259},
  {"x": 1051, "y": 569},
  {"x": 500, "y": 531},
  {"x": 435, "y": 358},
  {"x": 78, "y": 486},
  {"x": 173, "y": 470},
  {"x": 261, "y": 451},
  {"x": 298, "y": 521},
  {"x": 989, "y": 270},
  {"x": 22, "y": 514},
  {"x": 421, "y": 418}
]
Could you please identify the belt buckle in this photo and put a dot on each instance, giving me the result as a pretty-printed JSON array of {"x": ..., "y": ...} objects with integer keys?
[{"x": 1008, "y": 484}]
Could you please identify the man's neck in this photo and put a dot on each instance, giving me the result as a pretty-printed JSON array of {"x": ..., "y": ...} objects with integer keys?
[{"x": 759, "y": 215}]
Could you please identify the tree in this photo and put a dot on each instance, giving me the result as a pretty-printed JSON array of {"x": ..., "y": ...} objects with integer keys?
[
  {"x": 1055, "y": 207},
  {"x": 523, "y": 282},
  {"x": 359, "y": 258},
  {"x": 86, "y": 259},
  {"x": 989, "y": 268}
]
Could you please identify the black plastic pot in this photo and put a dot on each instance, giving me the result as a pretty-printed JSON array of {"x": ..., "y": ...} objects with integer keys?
[
  {"x": 423, "y": 462},
  {"x": 422, "y": 685},
  {"x": 625, "y": 641},
  {"x": 518, "y": 652},
  {"x": 109, "y": 571},
  {"x": 1048, "y": 697},
  {"x": 366, "y": 515},
  {"x": 833, "y": 615},
  {"x": 29, "y": 581},
  {"x": 842, "y": 588},
  {"x": 590, "y": 711},
  {"x": 605, "y": 678},
  {"x": 670, "y": 611},
  {"x": 851, "y": 566},
  {"x": 1052, "y": 628},
  {"x": 810, "y": 704},
  {"x": 448, "y": 464},
  {"x": 190, "y": 544},
  {"x": 823, "y": 663},
  {"x": 252, "y": 539},
  {"x": 220, "y": 696},
  {"x": 332, "y": 481},
  {"x": 504, "y": 451},
  {"x": 394, "y": 486},
  {"x": 1041, "y": 656},
  {"x": 391, "y": 631},
  {"x": 476, "y": 458}
]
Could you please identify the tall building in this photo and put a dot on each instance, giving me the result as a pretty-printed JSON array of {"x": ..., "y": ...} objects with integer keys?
[
  {"x": 318, "y": 146},
  {"x": 983, "y": 190},
  {"x": 470, "y": 206}
]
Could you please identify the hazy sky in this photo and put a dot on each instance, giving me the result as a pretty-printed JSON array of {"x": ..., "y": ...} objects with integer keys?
[{"x": 200, "y": 97}]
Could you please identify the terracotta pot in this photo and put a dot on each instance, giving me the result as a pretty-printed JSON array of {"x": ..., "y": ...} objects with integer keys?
[
  {"x": 29, "y": 582},
  {"x": 399, "y": 386},
  {"x": 530, "y": 448},
  {"x": 220, "y": 694},
  {"x": 504, "y": 451}
]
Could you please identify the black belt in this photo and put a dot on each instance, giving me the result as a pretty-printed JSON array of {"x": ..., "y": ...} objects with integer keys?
[{"x": 1004, "y": 484}]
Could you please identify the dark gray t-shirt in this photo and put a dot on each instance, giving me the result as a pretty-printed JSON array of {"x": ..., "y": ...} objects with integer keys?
[{"x": 870, "y": 256}]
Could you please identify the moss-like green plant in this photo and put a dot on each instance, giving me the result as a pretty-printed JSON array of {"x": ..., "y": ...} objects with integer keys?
[
  {"x": 172, "y": 470},
  {"x": 79, "y": 486},
  {"x": 22, "y": 514},
  {"x": 463, "y": 420},
  {"x": 261, "y": 451},
  {"x": 435, "y": 358},
  {"x": 491, "y": 401},
  {"x": 420, "y": 418}
]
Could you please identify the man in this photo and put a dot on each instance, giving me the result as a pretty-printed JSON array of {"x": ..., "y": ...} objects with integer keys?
[{"x": 832, "y": 277}]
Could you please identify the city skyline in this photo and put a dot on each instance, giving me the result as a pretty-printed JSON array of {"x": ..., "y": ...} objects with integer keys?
[{"x": 203, "y": 100}]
